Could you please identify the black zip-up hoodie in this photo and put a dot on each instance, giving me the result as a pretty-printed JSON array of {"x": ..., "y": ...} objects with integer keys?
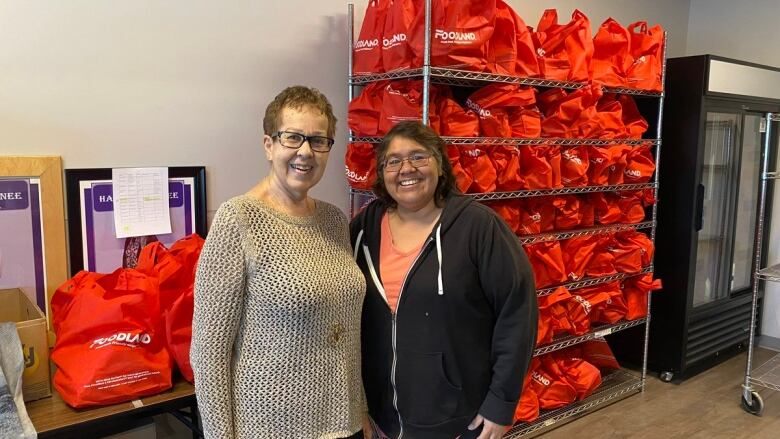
[{"x": 463, "y": 335}]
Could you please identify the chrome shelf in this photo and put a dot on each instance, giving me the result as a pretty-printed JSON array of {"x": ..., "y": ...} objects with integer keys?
[
  {"x": 542, "y": 192},
  {"x": 595, "y": 332},
  {"x": 772, "y": 176},
  {"x": 519, "y": 141},
  {"x": 442, "y": 75},
  {"x": 598, "y": 230},
  {"x": 768, "y": 375},
  {"x": 614, "y": 387},
  {"x": 572, "y": 286},
  {"x": 771, "y": 274}
]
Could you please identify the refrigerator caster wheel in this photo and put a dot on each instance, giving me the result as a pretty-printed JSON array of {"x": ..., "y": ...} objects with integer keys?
[
  {"x": 666, "y": 376},
  {"x": 755, "y": 406}
]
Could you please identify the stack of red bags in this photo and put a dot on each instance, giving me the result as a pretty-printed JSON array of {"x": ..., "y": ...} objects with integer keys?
[{"x": 119, "y": 333}]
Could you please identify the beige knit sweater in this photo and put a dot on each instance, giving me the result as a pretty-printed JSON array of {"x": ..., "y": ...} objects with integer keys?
[{"x": 276, "y": 329}]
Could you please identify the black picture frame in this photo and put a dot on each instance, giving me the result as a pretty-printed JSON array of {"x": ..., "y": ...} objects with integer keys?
[{"x": 73, "y": 183}]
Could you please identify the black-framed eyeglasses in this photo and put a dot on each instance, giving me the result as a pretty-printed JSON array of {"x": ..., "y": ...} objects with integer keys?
[
  {"x": 417, "y": 160},
  {"x": 293, "y": 140}
]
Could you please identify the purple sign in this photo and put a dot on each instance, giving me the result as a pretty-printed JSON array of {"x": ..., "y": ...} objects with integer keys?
[
  {"x": 14, "y": 195},
  {"x": 103, "y": 252},
  {"x": 21, "y": 243}
]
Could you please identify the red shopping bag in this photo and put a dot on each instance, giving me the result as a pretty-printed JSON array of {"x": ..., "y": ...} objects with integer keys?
[
  {"x": 540, "y": 166},
  {"x": 606, "y": 207},
  {"x": 603, "y": 262},
  {"x": 367, "y": 50},
  {"x": 402, "y": 100},
  {"x": 506, "y": 161},
  {"x": 647, "y": 51},
  {"x": 396, "y": 52},
  {"x": 553, "y": 315},
  {"x": 548, "y": 382},
  {"x": 509, "y": 210},
  {"x": 613, "y": 309},
  {"x": 618, "y": 156},
  {"x": 570, "y": 115},
  {"x": 510, "y": 51},
  {"x": 632, "y": 206},
  {"x": 494, "y": 104},
  {"x": 547, "y": 263},
  {"x": 455, "y": 120},
  {"x": 599, "y": 162},
  {"x": 567, "y": 212},
  {"x": 537, "y": 215},
  {"x": 640, "y": 165},
  {"x": 584, "y": 377},
  {"x": 632, "y": 250},
  {"x": 463, "y": 178},
  {"x": 525, "y": 122},
  {"x": 460, "y": 32},
  {"x": 583, "y": 305},
  {"x": 475, "y": 161},
  {"x": 574, "y": 166},
  {"x": 527, "y": 409},
  {"x": 363, "y": 111},
  {"x": 609, "y": 112},
  {"x": 611, "y": 54},
  {"x": 110, "y": 347},
  {"x": 635, "y": 125},
  {"x": 635, "y": 290},
  {"x": 564, "y": 51},
  {"x": 598, "y": 353},
  {"x": 578, "y": 252},
  {"x": 360, "y": 165}
]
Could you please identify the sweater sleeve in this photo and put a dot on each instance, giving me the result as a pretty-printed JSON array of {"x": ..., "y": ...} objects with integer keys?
[
  {"x": 508, "y": 282},
  {"x": 219, "y": 298}
]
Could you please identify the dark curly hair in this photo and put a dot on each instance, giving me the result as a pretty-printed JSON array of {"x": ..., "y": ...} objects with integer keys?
[
  {"x": 297, "y": 97},
  {"x": 428, "y": 139}
]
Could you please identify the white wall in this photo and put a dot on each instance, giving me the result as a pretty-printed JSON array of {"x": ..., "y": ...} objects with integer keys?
[{"x": 186, "y": 83}]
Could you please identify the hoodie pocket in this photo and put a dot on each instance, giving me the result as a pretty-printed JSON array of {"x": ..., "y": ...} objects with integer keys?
[{"x": 426, "y": 395}]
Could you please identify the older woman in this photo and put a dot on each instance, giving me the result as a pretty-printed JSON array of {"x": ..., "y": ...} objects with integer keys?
[
  {"x": 449, "y": 320},
  {"x": 276, "y": 328}
]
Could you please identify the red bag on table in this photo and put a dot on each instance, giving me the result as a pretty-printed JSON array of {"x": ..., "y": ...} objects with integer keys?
[
  {"x": 396, "y": 51},
  {"x": 553, "y": 315},
  {"x": 506, "y": 161},
  {"x": 640, "y": 165},
  {"x": 476, "y": 162},
  {"x": 647, "y": 51},
  {"x": 176, "y": 292},
  {"x": 510, "y": 51},
  {"x": 110, "y": 347},
  {"x": 527, "y": 409},
  {"x": 360, "y": 164},
  {"x": 611, "y": 54},
  {"x": 364, "y": 110},
  {"x": 635, "y": 290},
  {"x": 463, "y": 178},
  {"x": 574, "y": 166},
  {"x": 564, "y": 51},
  {"x": 460, "y": 32},
  {"x": 547, "y": 263},
  {"x": 402, "y": 100},
  {"x": 455, "y": 121},
  {"x": 367, "y": 51}
]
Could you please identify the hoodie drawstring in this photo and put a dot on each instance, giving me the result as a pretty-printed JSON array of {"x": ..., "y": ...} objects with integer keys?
[
  {"x": 357, "y": 245},
  {"x": 438, "y": 253}
]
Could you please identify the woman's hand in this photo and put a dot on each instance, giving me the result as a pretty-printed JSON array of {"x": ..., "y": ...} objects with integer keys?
[{"x": 490, "y": 430}]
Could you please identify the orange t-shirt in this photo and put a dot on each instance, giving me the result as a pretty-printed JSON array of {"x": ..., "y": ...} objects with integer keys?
[{"x": 393, "y": 264}]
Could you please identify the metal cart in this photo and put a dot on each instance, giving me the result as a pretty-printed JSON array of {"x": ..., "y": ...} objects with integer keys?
[{"x": 768, "y": 375}]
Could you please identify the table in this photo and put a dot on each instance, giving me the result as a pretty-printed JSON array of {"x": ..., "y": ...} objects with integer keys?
[{"x": 53, "y": 418}]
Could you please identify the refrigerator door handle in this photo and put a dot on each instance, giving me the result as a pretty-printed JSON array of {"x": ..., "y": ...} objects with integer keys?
[{"x": 699, "y": 207}]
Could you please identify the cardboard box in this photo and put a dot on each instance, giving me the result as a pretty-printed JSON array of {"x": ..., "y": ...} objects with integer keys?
[{"x": 30, "y": 321}]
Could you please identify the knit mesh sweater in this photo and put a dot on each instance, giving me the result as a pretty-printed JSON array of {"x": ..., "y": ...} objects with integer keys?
[{"x": 276, "y": 328}]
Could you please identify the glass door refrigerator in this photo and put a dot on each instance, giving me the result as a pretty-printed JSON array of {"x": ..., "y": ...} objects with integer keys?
[{"x": 707, "y": 211}]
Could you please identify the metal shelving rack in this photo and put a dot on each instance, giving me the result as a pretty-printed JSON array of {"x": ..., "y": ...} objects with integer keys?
[
  {"x": 616, "y": 385},
  {"x": 767, "y": 375}
]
